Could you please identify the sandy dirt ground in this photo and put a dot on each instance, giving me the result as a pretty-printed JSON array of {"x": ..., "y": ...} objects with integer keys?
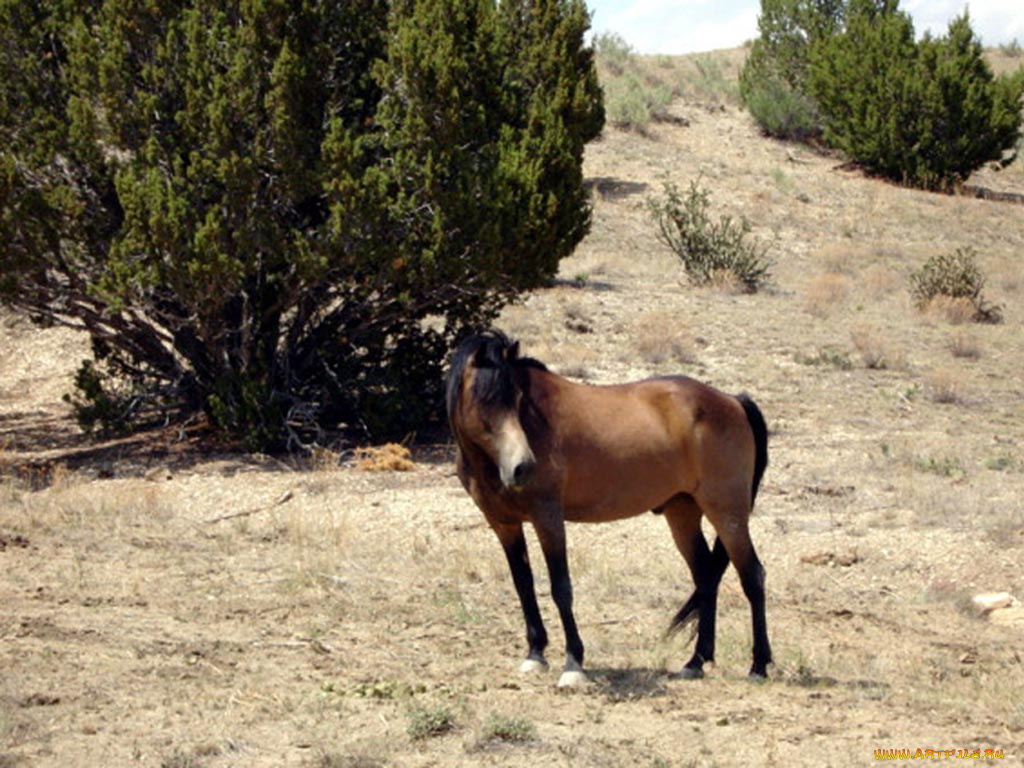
[{"x": 165, "y": 606}]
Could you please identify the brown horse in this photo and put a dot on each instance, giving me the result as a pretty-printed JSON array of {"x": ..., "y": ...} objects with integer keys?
[{"x": 535, "y": 447}]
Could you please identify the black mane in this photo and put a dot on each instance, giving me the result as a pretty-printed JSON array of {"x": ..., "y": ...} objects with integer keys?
[{"x": 496, "y": 357}]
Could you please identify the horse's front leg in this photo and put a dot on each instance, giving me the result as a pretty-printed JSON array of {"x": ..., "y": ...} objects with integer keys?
[
  {"x": 550, "y": 527},
  {"x": 514, "y": 543}
]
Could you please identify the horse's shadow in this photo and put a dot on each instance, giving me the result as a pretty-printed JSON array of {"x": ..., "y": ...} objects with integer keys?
[
  {"x": 610, "y": 188},
  {"x": 803, "y": 677},
  {"x": 629, "y": 684},
  {"x": 633, "y": 683}
]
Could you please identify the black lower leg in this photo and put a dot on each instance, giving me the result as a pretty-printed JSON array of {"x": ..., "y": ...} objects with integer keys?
[
  {"x": 715, "y": 565},
  {"x": 522, "y": 577},
  {"x": 708, "y": 568},
  {"x": 752, "y": 579},
  {"x": 561, "y": 591}
]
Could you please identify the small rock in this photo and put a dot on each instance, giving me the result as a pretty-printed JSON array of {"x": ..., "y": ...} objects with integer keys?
[
  {"x": 992, "y": 601},
  {"x": 158, "y": 474}
]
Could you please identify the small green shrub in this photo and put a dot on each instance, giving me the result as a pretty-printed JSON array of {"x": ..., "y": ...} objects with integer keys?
[
  {"x": 427, "y": 722},
  {"x": 634, "y": 97},
  {"x": 957, "y": 276},
  {"x": 999, "y": 463},
  {"x": 631, "y": 102},
  {"x": 944, "y": 466},
  {"x": 179, "y": 759},
  {"x": 509, "y": 729},
  {"x": 782, "y": 112},
  {"x": 773, "y": 80},
  {"x": 346, "y": 760},
  {"x": 98, "y": 407},
  {"x": 613, "y": 51},
  {"x": 826, "y": 357},
  {"x": 710, "y": 251},
  {"x": 711, "y": 81},
  {"x": 1012, "y": 48}
]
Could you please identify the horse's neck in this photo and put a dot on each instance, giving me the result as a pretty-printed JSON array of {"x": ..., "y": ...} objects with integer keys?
[{"x": 551, "y": 393}]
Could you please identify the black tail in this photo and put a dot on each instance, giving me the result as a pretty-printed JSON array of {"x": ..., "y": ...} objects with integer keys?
[
  {"x": 709, "y": 578},
  {"x": 760, "y": 429},
  {"x": 686, "y": 615}
]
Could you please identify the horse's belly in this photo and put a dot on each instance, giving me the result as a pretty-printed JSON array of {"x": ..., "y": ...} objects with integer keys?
[
  {"x": 618, "y": 495},
  {"x": 604, "y": 514}
]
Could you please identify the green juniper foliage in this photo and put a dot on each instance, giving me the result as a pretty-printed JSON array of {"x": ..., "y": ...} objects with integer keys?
[
  {"x": 773, "y": 81},
  {"x": 282, "y": 214},
  {"x": 923, "y": 113}
]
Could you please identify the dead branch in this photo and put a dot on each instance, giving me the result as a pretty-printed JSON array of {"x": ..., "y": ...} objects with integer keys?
[{"x": 285, "y": 497}]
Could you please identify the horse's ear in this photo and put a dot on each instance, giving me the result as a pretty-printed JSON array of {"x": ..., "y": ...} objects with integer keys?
[
  {"x": 480, "y": 358},
  {"x": 512, "y": 352}
]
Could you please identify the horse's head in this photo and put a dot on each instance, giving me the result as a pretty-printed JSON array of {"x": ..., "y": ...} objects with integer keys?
[{"x": 485, "y": 393}]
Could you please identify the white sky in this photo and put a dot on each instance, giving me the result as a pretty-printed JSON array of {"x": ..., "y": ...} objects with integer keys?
[{"x": 687, "y": 26}]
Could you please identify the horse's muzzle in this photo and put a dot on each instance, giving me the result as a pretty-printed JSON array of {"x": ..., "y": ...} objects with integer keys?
[
  {"x": 516, "y": 476},
  {"x": 523, "y": 472}
]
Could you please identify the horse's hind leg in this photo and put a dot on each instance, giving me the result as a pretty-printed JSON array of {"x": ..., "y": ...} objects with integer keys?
[
  {"x": 730, "y": 521},
  {"x": 706, "y": 568},
  {"x": 711, "y": 567},
  {"x": 514, "y": 543}
]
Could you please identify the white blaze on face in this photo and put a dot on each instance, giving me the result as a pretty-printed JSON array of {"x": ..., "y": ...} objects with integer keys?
[{"x": 512, "y": 451}]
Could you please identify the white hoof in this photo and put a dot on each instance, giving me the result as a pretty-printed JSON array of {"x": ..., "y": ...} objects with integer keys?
[
  {"x": 572, "y": 679},
  {"x": 533, "y": 667}
]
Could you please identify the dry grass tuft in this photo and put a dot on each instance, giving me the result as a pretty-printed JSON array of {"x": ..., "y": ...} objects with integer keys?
[
  {"x": 324, "y": 459},
  {"x": 875, "y": 350},
  {"x": 391, "y": 457},
  {"x": 661, "y": 338},
  {"x": 955, "y": 310},
  {"x": 966, "y": 346},
  {"x": 726, "y": 281},
  {"x": 839, "y": 258},
  {"x": 947, "y": 387},
  {"x": 1007, "y": 269},
  {"x": 577, "y": 318},
  {"x": 826, "y": 292},
  {"x": 359, "y": 759},
  {"x": 879, "y": 281},
  {"x": 950, "y": 592}
]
